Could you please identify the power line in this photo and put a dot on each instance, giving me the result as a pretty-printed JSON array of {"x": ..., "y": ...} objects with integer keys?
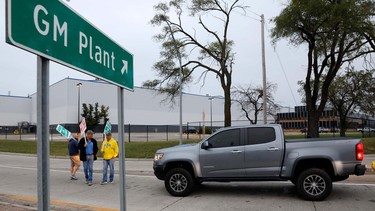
[
  {"x": 286, "y": 78},
  {"x": 247, "y": 16},
  {"x": 283, "y": 69},
  {"x": 277, "y": 54}
]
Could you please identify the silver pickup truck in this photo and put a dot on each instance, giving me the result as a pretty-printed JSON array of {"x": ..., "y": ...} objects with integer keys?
[{"x": 260, "y": 153}]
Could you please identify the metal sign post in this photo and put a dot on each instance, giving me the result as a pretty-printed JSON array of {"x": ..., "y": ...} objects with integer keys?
[
  {"x": 120, "y": 107},
  {"x": 43, "y": 133}
]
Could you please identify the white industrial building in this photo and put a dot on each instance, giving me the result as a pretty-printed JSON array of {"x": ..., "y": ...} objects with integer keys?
[{"x": 142, "y": 107}]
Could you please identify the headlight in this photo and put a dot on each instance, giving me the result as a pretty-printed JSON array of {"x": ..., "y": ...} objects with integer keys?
[{"x": 158, "y": 156}]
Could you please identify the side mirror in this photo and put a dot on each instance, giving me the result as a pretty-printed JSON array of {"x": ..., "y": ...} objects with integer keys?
[{"x": 206, "y": 145}]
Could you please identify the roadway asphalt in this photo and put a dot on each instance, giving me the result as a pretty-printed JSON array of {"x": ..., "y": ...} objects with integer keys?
[{"x": 18, "y": 190}]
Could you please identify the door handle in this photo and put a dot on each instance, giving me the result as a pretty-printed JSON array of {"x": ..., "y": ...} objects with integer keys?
[
  {"x": 273, "y": 149},
  {"x": 236, "y": 151}
]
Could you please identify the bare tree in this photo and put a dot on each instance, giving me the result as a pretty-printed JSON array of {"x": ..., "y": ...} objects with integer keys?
[
  {"x": 250, "y": 99},
  {"x": 211, "y": 55}
]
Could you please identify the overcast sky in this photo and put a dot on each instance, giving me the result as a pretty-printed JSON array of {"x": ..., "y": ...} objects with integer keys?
[{"x": 127, "y": 22}]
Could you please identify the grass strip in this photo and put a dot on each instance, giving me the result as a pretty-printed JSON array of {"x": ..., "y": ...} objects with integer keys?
[
  {"x": 137, "y": 149},
  {"x": 60, "y": 148}
]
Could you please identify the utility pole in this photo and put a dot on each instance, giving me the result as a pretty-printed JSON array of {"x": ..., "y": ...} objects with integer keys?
[
  {"x": 264, "y": 73},
  {"x": 211, "y": 98}
]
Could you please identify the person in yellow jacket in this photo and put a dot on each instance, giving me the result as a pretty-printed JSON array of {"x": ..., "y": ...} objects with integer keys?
[{"x": 110, "y": 152}]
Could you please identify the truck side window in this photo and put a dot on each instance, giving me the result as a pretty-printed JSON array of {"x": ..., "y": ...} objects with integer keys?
[
  {"x": 260, "y": 135},
  {"x": 225, "y": 138}
]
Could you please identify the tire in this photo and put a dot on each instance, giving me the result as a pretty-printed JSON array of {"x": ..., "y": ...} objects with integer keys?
[
  {"x": 179, "y": 182},
  {"x": 314, "y": 184}
]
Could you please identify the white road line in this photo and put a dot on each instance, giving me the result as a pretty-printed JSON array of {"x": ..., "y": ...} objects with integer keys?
[
  {"x": 63, "y": 171},
  {"x": 18, "y": 167},
  {"x": 355, "y": 184}
]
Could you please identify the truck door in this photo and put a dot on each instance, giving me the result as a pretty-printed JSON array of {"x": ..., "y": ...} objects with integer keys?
[
  {"x": 224, "y": 155},
  {"x": 263, "y": 152}
]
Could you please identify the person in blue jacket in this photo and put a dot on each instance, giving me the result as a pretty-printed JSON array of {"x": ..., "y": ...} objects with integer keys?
[
  {"x": 88, "y": 150},
  {"x": 73, "y": 150}
]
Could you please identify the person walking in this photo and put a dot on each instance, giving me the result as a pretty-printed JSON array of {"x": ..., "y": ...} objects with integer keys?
[
  {"x": 110, "y": 152},
  {"x": 75, "y": 162},
  {"x": 88, "y": 149}
]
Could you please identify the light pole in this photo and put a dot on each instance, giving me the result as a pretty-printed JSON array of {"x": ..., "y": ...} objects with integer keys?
[{"x": 79, "y": 101}]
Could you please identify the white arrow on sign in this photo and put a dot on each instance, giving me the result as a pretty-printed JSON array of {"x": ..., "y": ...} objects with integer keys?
[{"x": 125, "y": 67}]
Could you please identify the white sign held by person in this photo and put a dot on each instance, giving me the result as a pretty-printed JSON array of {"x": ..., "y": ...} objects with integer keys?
[{"x": 66, "y": 133}]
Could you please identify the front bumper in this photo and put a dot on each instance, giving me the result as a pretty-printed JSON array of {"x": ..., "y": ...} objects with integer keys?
[
  {"x": 159, "y": 171},
  {"x": 360, "y": 169}
]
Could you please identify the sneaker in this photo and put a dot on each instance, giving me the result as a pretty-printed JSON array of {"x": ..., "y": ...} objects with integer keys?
[
  {"x": 103, "y": 182},
  {"x": 87, "y": 182},
  {"x": 111, "y": 182},
  {"x": 90, "y": 183},
  {"x": 73, "y": 178}
]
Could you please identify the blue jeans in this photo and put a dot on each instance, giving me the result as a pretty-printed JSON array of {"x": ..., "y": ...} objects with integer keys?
[
  {"x": 111, "y": 164},
  {"x": 88, "y": 167}
]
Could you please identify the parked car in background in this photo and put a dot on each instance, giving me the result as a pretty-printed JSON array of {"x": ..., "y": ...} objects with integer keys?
[
  {"x": 324, "y": 130},
  {"x": 366, "y": 130},
  {"x": 191, "y": 130},
  {"x": 321, "y": 130}
]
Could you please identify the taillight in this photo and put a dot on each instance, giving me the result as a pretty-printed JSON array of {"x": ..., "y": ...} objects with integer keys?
[{"x": 359, "y": 151}]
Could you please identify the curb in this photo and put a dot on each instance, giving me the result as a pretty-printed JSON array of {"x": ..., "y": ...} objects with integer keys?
[{"x": 30, "y": 203}]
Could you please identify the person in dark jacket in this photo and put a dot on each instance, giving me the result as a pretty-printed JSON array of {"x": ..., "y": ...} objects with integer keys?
[
  {"x": 88, "y": 149},
  {"x": 75, "y": 162}
]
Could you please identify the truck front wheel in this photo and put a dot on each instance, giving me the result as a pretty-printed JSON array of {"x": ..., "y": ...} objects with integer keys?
[
  {"x": 314, "y": 184},
  {"x": 179, "y": 182}
]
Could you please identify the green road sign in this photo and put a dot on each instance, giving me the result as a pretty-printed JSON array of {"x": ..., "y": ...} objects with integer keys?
[
  {"x": 53, "y": 30},
  {"x": 66, "y": 133}
]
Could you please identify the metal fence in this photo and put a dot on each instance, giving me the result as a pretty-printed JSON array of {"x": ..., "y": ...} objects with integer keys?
[{"x": 134, "y": 133}]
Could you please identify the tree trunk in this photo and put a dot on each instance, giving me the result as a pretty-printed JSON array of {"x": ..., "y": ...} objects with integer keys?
[
  {"x": 312, "y": 122},
  {"x": 342, "y": 126},
  {"x": 227, "y": 107},
  {"x": 256, "y": 117}
]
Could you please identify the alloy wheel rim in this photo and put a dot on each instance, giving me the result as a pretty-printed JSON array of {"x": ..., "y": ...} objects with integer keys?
[
  {"x": 314, "y": 185},
  {"x": 178, "y": 182}
]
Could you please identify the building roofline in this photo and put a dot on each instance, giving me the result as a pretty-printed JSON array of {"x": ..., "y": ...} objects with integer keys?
[
  {"x": 105, "y": 82},
  {"x": 13, "y": 96},
  {"x": 138, "y": 87}
]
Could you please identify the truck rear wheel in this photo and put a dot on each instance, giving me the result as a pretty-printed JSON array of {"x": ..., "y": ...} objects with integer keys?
[
  {"x": 179, "y": 182},
  {"x": 314, "y": 184}
]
